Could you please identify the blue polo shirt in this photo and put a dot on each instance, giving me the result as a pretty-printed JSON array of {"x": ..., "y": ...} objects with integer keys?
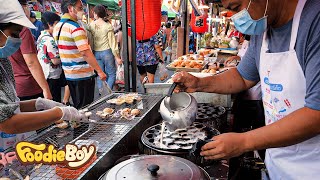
[
  {"x": 36, "y": 32},
  {"x": 307, "y": 48}
]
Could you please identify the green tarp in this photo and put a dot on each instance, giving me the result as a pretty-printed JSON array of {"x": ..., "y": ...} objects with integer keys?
[{"x": 111, "y": 4}]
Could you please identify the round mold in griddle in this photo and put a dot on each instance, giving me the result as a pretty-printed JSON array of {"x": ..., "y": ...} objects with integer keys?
[
  {"x": 181, "y": 130},
  {"x": 208, "y": 112},
  {"x": 149, "y": 136},
  {"x": 198, "y": 125},
  {"x": 182, "y": 138}
]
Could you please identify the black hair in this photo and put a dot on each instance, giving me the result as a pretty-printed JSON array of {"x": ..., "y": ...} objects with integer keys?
[
  {"x": 66, "y": 3},
  {"x": 49, "y": 18},
  {"x": 168, "y": 25},
  {"x": 177, "y": 24},
  {"x": 4, "y": 26},
  {"x": 100, "y": 10},
  {"x": 33, "y": 15},
  {"x": 247, "y": 37}
]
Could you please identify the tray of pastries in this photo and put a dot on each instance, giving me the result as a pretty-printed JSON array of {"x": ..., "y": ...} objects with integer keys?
[{"x": 186, "y": 65}]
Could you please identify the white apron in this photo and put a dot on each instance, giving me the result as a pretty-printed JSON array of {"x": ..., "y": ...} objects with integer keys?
[
  {"x": 9, "y": 140},
  {"x": 283, "y": 88}
]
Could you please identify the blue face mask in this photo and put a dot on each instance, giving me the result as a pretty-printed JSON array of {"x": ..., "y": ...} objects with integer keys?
[
  {"x": 246, "y": 25},
  {"x": 11, "y": 46}
]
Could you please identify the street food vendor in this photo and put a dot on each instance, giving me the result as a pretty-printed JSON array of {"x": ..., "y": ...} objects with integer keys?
[
  {"x": 284, "y": 53},
  {"x": 19, "y": 119}
]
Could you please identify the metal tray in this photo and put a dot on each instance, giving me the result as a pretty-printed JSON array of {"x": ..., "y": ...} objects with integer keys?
[
  {"x": 144, "y": 106},
  {"x": 187, "y": 69}
]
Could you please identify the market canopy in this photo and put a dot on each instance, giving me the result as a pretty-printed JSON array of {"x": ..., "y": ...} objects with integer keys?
[{"x": 110, "y": 4}]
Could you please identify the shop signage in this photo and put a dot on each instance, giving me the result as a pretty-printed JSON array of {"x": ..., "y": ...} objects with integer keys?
[{"x": 71, "y": 156}]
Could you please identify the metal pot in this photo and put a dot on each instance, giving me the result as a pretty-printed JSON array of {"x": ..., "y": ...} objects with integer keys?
[
  {"x": 156, "y": 167},
  {"x": 178, "y": 110}
]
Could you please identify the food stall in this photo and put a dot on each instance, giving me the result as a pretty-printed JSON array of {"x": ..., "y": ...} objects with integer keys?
[{"x": 125, "y": 127}]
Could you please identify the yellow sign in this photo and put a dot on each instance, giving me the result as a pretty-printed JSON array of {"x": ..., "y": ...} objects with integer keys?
[{"x": 71, "y": 156}]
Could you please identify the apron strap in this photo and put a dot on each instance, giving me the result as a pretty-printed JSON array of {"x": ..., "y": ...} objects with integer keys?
[
  {"x": 295, "y": 23},
  {"x": 265, "y": 43}
]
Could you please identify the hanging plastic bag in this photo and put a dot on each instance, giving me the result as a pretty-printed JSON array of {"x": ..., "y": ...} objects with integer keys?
[
  {"x": 163, "y": 71},
  {"x": 168, "y": 51},
  {"x": 120, "y": 74}
]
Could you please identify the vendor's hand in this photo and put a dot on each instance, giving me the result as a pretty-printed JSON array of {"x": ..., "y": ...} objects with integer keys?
[
  {"x": 225, "y": 146},
  {"x": 102, "y": 76},
  {"x": 71, "y": 114},
  {"x": 186, "y": 82},
  {"x": 230, "y": 60},
  {"x": 47, "y": 94},
  {"x": 45, "y": 104}
]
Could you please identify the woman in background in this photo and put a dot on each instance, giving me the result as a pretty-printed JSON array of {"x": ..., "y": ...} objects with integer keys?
[
  {"x": 48, "y": 55},
  {"x": 105, "y": 47},
  {"x": 148, "y": 59}
]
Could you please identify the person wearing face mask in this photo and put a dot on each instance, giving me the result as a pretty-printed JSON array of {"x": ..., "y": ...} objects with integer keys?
[
  {"x": 20, "y": 119},
  {"x": 78, "y": 61},
  {"x": 284, "y": 54}
]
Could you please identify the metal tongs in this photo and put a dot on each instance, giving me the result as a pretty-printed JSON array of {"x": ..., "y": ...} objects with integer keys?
[{"x": 106, "y": 90}]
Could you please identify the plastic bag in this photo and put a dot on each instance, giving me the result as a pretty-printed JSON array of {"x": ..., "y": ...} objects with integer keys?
[
  {"x": 163, "y": 71},
  {"x": 120, "y": 74},
  {"x": 168, "y": 50}
]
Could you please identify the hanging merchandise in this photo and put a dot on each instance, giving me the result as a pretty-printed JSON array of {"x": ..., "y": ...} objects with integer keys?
[
  {"x": 57, "y": 7},
  {"x": 120, "y": 74},
  {"x": 199, "y": 23},
  {"x": 47, "y": 6},
  {"x": 148, "y": 18}
]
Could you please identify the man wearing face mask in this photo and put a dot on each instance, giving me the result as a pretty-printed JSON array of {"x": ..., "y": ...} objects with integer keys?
[
  {"x": 284, "y": 54},
  {"x": 78, "y": 61},
  {"x": 21, "y": 116}
]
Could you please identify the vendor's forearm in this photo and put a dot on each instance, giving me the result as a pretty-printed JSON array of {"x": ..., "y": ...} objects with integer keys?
[
  {"x": 294, "y": 128},
  {"x": 28, "y": 106},
  {"x": 25, "y": 122},
  {"x": 91, "y": 60},
  {"x": 228, "y": 82}
]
